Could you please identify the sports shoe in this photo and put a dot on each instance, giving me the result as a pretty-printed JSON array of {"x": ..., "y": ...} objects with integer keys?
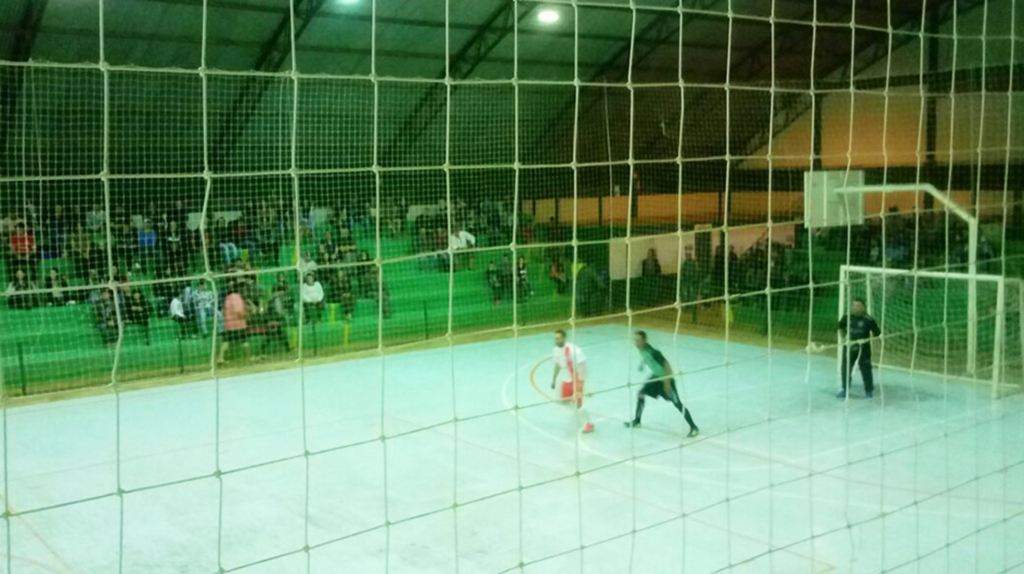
[
  {"x": 632, "y": 424},
  {"x": 841, "y": 395},
  {"x": 867, "y": 394},
  {"x": 588, "y": 428},
  {"x": 693, "y": 432}
]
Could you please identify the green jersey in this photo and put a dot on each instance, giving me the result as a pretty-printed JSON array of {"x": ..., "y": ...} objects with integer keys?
[{"x": 654, "y": 360}]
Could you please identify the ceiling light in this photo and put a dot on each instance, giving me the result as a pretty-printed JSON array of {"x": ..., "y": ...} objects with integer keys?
[
  {"x": 548, "y": 16},
  {"x": 349, "y": 1}
]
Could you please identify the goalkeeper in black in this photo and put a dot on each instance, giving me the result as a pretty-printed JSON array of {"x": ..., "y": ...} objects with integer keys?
[{"x": 858, "y": 328}]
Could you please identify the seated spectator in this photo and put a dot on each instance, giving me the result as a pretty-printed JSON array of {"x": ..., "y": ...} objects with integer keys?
[
  {"x": 228, "y": 250},
  {"x": 341, "y": 293},
  {"x": 556, "y": 273},
  {"x": 96, "y": 218},
  {"x": 165, "y": 290},
  {"x": 203, "y": 304},
  {"x": 235, "y": 324},
  {"x": 147, "y": 247},
  {"x": 24, "y": 251},
  {"x": 325, "y": 254},
  {"x": 19, "y": 284},
  {"x": 57, "y": 287},
  {"x": 281, "y": 300},
  {"x": 346, "y": 248},
  {"x": 307, "y": 264},
  {"x": 460, "y": 240},
  {"x": 139, "y": 312},
  {"x": 177, "y": 313},
  {"x": 651, "y": 266},
  {"x": 494, "y": 281},
  {"x": 94, "y": 282},
  {"x": 106, "y": 317},
  {"x": 312, "y": 297}
]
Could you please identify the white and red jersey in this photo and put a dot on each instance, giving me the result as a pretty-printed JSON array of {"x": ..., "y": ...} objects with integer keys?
[{"x": 572, "y": 362}]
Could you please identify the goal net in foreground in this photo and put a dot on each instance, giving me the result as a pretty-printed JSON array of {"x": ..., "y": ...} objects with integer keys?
[{"x": 927, "y": 325}]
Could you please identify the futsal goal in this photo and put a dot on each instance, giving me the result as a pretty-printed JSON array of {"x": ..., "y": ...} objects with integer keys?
[{"x": 928, "y": 327}]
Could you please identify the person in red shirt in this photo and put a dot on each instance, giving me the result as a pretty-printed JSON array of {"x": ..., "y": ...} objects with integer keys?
[
  {"x": 23, "y": 250},
  {"x": 235, "y": 325}
]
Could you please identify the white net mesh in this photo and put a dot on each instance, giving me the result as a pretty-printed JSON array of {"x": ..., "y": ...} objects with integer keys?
[{"x": 281, "y": 281}]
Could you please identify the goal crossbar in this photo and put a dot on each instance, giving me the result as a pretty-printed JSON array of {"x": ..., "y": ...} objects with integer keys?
[{"x": 972, "y": 250}]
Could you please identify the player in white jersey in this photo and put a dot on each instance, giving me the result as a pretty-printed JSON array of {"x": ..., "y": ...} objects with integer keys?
[{"x": 571, "y": 370}]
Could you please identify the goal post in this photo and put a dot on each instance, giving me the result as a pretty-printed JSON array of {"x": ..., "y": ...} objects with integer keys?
[
  {"x": 926, "y": 322},
  {"x": 972, "y": 247}
]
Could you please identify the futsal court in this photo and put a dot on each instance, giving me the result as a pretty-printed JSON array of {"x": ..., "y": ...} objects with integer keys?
[{"x": 479, "y": 466}]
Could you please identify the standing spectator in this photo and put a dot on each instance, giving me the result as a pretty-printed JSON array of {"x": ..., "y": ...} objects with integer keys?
[
  {"x": 139, "y": 312},
  {"x": 364, "y": 281},
  {"x": 204, "y": 307},
  {"x": 106, "y": 317},
  {"x": 650, "y": 274},
  {"x": 590, "y": 291},
  {"x": 24, "y": 251},
  {"x": 556, "y": 273},
  {"x": 523, "y": 279},
  {"x": 507, "y": 275},
  {"x": 173, "y": 248},
  {"x": 312, "y": 297},
  {"x": 266, "y": 238},
  {"x": 177, "y": 313},
  {"x": 147, "y": 247},
  {"x": 495, "y": 283},
  {"x": 20, "y": 283},
  {"x": 55, "y": 232},
  {"x": 689, "y": 278},
  {"x": 124, "y": 240},
  {"x": 81, "y": 252},
  {"x": 651, "y": 266},
  {"x": 235, "y": 325},
  {"x": 57, "y": 287}
]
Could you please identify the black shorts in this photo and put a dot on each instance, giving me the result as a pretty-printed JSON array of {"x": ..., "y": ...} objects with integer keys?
[
  {"x": 656, "y": 389},
  {"x": 236, "y": 336}
]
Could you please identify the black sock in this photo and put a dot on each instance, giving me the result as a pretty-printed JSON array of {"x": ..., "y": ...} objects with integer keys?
[
  {"x": 686, "y": 412},
  {"x": 689, "y": 419},
  {"x": 639, "y": 409}
]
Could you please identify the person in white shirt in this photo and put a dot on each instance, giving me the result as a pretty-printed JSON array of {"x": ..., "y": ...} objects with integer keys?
[
  {"x": 312, "y": 294},
  {"x": 571, "y": 369},
  {"x": 178, "y": 314},
  {"x": 203, "y": 301},
  {"x": 459, "y": 240}
]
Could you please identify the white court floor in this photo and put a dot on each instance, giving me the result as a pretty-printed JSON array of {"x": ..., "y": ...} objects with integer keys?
[{"x": 926, "y": 477}]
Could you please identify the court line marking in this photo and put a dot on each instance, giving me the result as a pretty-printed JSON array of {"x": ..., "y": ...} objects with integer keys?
[{"x": 654, "y": 468}]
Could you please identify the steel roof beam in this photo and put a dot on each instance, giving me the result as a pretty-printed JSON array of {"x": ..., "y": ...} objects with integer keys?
[{"x": 20, "y": 51}]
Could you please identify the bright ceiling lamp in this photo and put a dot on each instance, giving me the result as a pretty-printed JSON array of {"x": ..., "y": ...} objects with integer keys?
[
  {"x": 349, "y": 2},
  {"x": 548, "y": 16}
]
